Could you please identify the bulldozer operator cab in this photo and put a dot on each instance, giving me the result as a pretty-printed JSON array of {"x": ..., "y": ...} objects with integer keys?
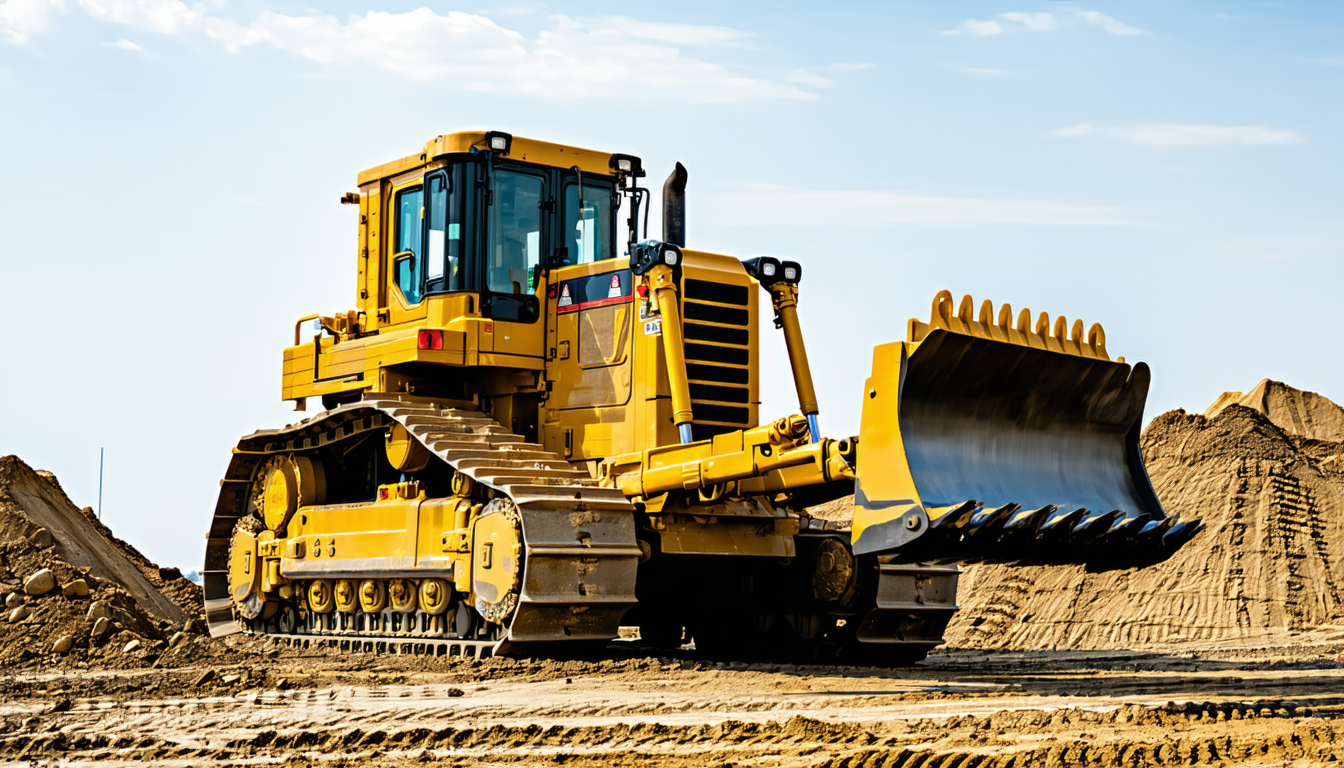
[{"x": 492, "y": 226}]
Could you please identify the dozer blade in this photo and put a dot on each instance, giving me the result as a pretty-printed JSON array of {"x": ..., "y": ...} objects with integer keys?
[{"x": 985, "y": 441}]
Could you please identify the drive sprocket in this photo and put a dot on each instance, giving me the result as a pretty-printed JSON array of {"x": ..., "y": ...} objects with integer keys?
[
  {"x": 497, "y": 559},
  {"x": 245, "y": 568}
]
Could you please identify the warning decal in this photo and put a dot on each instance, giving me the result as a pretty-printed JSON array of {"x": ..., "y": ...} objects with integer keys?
[{"x": 596, "y": 291}]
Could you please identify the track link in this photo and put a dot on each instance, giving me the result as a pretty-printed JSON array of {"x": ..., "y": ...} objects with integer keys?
[{"x": 580, "y": 553}]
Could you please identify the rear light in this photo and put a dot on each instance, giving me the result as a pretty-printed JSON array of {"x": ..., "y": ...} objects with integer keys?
[
  {"x": 429, "y": 339},
  {"x": 383, "y": 494}
]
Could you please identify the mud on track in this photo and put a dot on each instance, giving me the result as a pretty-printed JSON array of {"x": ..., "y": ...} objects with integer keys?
[{"x": 1048, "y": 708}]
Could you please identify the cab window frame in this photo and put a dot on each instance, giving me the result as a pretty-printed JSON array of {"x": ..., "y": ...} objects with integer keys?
[
  {"x": 569, "y": 180},
  {"x": 418, "y": 263},
  {"x": 459, "y": 189},
  {"x": 524, "y": 306}
]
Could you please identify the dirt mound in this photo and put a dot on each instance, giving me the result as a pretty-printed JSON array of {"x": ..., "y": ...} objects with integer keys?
[
  {"x": 1301, "y": 413},
  {"x": 75, "y": 594},
  {"x": 1268, "y": 566}
]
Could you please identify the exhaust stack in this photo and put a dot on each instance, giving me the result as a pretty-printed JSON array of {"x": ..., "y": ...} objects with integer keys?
[{"x": 674, "y": 207}]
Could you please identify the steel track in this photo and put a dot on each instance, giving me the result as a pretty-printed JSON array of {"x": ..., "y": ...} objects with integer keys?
[{"x": 580, "y": 553}]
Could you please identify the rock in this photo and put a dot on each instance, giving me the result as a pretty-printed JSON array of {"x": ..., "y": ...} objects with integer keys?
[
  {"x": 89, "y": 513},
  {"x": 99, "y": 610},
  {"x": 132, "y": 646},
  {"x": 63, "y": 644},
  {"x": 230, "y": 679},
  {"x": 205, "y": 677},
  {"x": 60, "y": 705},
  {"x": 170, "y": 573},
  {"x": 76, "y": 588},
  {"x": 100, "y": 627},
  {"x": 175, "y": 638},
  {"x": 40, "y": 583},
  {"x": 456, "y": 692},
  {"x": 41, "y": 539},
  {"x": 18, "y": 614},
  {"x": 14, "y": 600}
]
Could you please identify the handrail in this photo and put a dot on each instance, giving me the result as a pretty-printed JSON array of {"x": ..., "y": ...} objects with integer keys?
[{"x": 299, "y": 324}]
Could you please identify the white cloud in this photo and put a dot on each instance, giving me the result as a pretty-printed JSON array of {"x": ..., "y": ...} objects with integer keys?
[
  {"x": 1039, "y": 22},
  {"x": 985, "y": 71},
  {"x": 813, "y": 76},
  {"x": 1108, "y": 23},
  {"x": 124, "y": 45},
  {"x": 1169, "y": 135},
  {"x": 668, "y": 32},
  {"x": 574, "y": 58},
  {"x": 21, "y": 18},
  {"x": 760, "y": 204},
  {"x": 976, "y": 28}
]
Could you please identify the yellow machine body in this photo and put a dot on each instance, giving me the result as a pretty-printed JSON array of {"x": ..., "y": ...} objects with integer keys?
[{"x": 535, "y": 430}]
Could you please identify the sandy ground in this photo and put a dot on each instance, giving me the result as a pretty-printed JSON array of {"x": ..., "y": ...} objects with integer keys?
[{"x": 1233, "y": 705}]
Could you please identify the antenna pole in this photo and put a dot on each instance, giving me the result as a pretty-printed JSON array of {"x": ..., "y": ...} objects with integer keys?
[{"x": 100, "y": 483}]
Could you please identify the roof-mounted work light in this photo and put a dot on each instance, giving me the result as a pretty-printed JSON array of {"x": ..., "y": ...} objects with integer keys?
[
  {"x": 766, "y": 270},
  {"x": 498, "y": 141},
  {"x": 645, "y": 255},
  {"x": 628, "y": 165},
  {"x": 792, "y": 272}
]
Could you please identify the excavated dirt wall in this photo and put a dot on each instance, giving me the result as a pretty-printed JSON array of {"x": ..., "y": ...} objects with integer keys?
[
  {"x": 1267, "y": 568},
  {"x": 76, "y": 595}
]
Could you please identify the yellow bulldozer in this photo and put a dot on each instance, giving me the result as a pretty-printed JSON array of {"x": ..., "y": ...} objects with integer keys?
[{"x": 541, "y": 427}]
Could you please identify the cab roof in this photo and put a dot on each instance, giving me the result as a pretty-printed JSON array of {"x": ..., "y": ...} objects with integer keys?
[{"x": 522, "y": 149}]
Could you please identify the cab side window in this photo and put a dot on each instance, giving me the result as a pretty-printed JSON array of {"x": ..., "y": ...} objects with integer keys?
[
  {"x": 444, "y": 270},
  {"x": 515, "y": 233},
  {"x": 410, "y": 236},
  {"x": 588, "y": 226}
]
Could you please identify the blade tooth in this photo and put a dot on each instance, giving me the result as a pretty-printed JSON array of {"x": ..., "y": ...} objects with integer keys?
[
  {"x": 955, "y": 516},
  {"x": 1128, "y": 525},
  {"x": 1095, "y": 524},
  {"x": 1062, "y": 521},
  {"x": 1180, "y": 534},
  {"x": 987, "y": 521},
  {"x": 1151, "y": 525},
  {"x": 1021, "y": 518}
]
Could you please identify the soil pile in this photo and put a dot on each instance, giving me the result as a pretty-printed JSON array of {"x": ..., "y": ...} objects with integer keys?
[
  {"x": 1305, "y": 414},
  {"x": 1268, "y": 566},
  {"x": 73, "y": 593}
]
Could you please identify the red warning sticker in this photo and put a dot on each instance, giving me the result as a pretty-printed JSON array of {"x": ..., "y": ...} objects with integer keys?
[
  {"x": 614, "y": 292},
  {"x": 565, "y": 298}
]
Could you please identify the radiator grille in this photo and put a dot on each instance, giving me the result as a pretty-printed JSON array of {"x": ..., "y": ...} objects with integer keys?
[{"x": 718, "y": 354}]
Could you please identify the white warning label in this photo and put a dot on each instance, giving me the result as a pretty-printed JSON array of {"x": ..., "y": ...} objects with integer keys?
[{"x": 653, "y": 327}]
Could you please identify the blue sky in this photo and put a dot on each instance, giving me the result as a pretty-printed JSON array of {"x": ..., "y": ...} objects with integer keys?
[{"x": 169, "y": 177}]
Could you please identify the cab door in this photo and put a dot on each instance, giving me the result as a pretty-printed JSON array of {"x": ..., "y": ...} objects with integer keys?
[
  {"x": 513, "y": 289},
  {"x": 405, "y": 258}
]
